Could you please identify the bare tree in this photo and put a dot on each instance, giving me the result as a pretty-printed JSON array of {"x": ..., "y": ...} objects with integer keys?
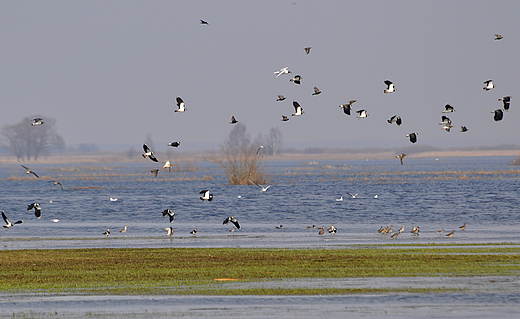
[
  {"x": 274, "y": 141},
  {"x": 238, "y": 138},
  {"x": 26, "y": 141}
]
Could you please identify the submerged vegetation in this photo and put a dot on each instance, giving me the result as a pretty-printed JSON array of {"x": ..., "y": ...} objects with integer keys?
[{"x": 197, "y": 271}]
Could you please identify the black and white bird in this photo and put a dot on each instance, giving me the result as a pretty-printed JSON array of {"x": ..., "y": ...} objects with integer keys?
[
  {"x": 489, "y": 85},
  {"x": 169, "y": 231},
  {"x": 347, "y": 107},
  {"x": 232, "y": 220},
  {"x": 389, "y": 87},
  {"x": 332, "y": 230},
  {"x": 28, "y": 171},
  {"x": 297, "y": 79},
  {"x": 233, "y": 120},
  {"x": 362, "y": 114},
  {"x": 413, "y": 137},
  {"x": 207, "y": 196},
  {"x": 37, "y": 121},
  {"x": 396, "y": 119},
  {"x": 259, "y": 149},
  {"x": 56, "y": 183},
  {"x": 181, "y": 107},
  {"x": 400, "y": 157},
  {"x": 498, "y": 37},
  {"x": 285, "y": 118},
  {"x": 463, "y": 129},
  {"x": 155, "y": 172},
  {"x": 316, "y": 91},
  {"x": 8, "y": 223},
  {"x": 107, "y": 232},
  {"x": 307, "y": 50},
  {"x": 175, "y": 144},
  {"x": 203, "y": 22},
  {"x": 37, "y": 209},
  {"x": 169, "y": 212},
  {"x": 280, "y": 98},
  {"x": 448, "y": 109},
  {"x": 148, "y": 153},
  {"x": 282, "y": 71},
  {"x": 298, "y": 110},
  {"x": 445, "y": 120},
  {"x": 194, "y": 231},
  {"x": 506, "y": 100},
  {"x": 499, "y": 115},
  {"x": 447, "y": 127}
]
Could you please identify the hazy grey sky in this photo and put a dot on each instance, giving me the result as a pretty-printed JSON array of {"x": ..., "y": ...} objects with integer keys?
[{"x": 109, "y": 71}]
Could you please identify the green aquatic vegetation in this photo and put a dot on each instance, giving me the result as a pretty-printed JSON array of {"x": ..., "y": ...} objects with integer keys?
[{"x": 197, "y": 270}]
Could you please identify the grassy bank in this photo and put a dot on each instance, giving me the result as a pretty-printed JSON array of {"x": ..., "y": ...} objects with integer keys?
[{"x": 199, "y": 271}]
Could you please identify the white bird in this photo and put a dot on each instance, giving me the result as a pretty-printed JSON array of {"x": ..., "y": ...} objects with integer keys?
[
  {"x": 376, "y": 196},
  {"x": 298, "y": 109},
  {"x": 282, "y": 71},
  {"x": 37, "y": 121},
  {"x": 362, "y": 114},
  {"x": 389, "y": 87},
  {"x": 55, "y": 220},
  {"x": 148, "y": 153},
  {"x": 448, "y": 109},
  {"x": 28, "y": 171},
  {"x": 499, "y": 115},
  {"x": 233, "y": 220},
  {"x": 297, "y": 79},
  {"x": 413, "y": 137},
  {"x": 168, "y": 165},
  {"x": 8, "y": 223},
  {"x": 124, "y": 230},
  {"x": 169, "y": 212},
  {"x": 353, "y": 195},
  {"x": 169, "y": 231},
  {"x": 37, "y": 209},
  {"x": 339, "y": 199},
  {"x": 180, "y": 104},
  {"x": 489, "y": 85},
  {"x": 264, "y": 188},
  {"x": 113, "y": 199},
  {"x": 174, "y": 144},
  {"x": 207, "y": 196}
]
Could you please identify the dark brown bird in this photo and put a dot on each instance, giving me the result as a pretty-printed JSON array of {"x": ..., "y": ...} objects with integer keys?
[
  {"x": 307, "y": 50},
  {"x": 233, "y": 120}
]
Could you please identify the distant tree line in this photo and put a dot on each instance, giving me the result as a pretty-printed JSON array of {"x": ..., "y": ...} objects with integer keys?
[{"x": 28, "y": 142}]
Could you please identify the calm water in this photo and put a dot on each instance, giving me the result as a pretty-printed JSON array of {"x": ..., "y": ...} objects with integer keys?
[{"x": 432, "y": 194}]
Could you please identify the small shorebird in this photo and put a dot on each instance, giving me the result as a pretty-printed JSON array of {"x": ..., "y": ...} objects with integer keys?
[
  {"x": 401, "y": 230},
  {"x": 37, "y": 209},
  {"x": 380, "y": 229},
  {"x": 8, "y": 223},
  {"x": 316, "y": 91},
  {"x": 297, "y": 79},
  {"x": 507, "y": 101},
  {"x": 169, "y": 231},
  {"x": 413, "y": 137},
  {"x": 282, "y": 71},
  {"x": 394, "y": 236},
  {"x": 499, "y": 115},
  {"x": 56, "y": 183},
  {"x": 285, "y": 118},
  {"x": 489, "y": 85},
  {"x": 175, "y": 144},
  {"x": 389, "y": 230},
  {"x": 107, "y": 232},
  {"x": 339, "y": 199},
  {"x": 451, "y": 234},
  {"x": 170, "y": 213},
  {"x": 155, "y": 172},
  {"x": 298, "y": 110},
  {"x": 194, "y": 231},
  {"x": 181, "y": 107},
  {"x": 37, "y": 121},
  {"x": 233, "y": 220},
  {"x": 440, "y": 231},
  {"x": 332, "y": 230},
  {"x": 415, "y": 230},
  {"x": 322, "y": 230},
  {"x": 463, "y": 129},
  {"x": 207, "y": 196},
  {"x": 362, "y": 114},
  {"x": 124, "y": 230},
  {"x": 463, "y": 227},
  {"x": 280, "y": 98},
  {"x": 448, "y": 109},
  {"x": 28, "y": 171},
  {"x": 313, "y": 226},
  {"x": 279, "y": 227},
  {"x": 148, "y": 153},
  {"x": 233, "y": 120},
  {"x": 389, "y": 87},
  {"x": 498, "y": 37},
  {"x": 264, "y": 188},
  {"x": 400, "y": 157},
  {"x": 307, "y": 50}
]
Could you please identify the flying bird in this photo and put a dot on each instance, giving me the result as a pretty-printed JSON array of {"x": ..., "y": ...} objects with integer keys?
[
  {"x": 169, "y": 231},
  {"x": 170, "y": 213},
  {"x": 174, "y": 144},
  {"x": 447, "y": 127},
  {"x": 180, "y": 104},
  {"x": 498, "y": 37},
  {"x": 168, "y": 165},
  {"x": 203, "y": 22},
  {"x": 445, "y": 120},
  {"x": 148, "y": 153},
  {"x": 506, "y": 100},
  {"x": 233, "y": 120},
  {"x": 8, "y": 223},
  {"x": 499, "y": 114},
  {"x": 282, "y": 71},
  {"x": 463, "y": 129},
  {"x": 413, "y": 137},
  {"x": 353, "y": 195},
  {"x": 307, "y": 50},
  {"x": 37, "y": 121},
  {"x": 396, "y": 119},
  {"x": 316, "y": 91},
  {"x": 347, "y": 107},
  {"x": 285, "y": 118},
  {"x": 28, "y": 171},
  {"x": 264, "y": 188},
  {"x": 297, "y": 79},
  {"x": 400, "y": 157},
  {"x": 233, "y": 220},
  {"x": 37, "y": 209},
  {"x": 489, "y": 85},
  {"x": 155, "y": 172},
  {"x": 298, "y": 109},
  {"x": 362, "y": 114},
  {"x": 207, "y": 196},
  {"x": 280, "y": 98},
  {"x": 389, "y": 87},
  {"x": 56, "y": 183},
  {"x": 260, "y": 148},
  {"x": 448, "y": 109}
]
